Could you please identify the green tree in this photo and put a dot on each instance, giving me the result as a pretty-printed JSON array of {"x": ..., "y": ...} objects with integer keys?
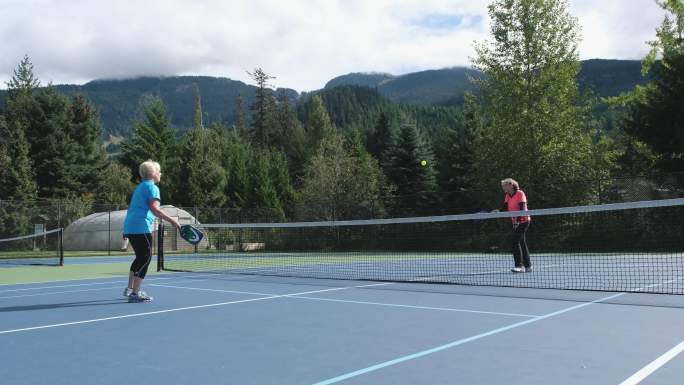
[
  {"x": 54, "y": 153},
  {"x": 200, "y": 179},
  {"x": 381, "y": 137},
  {"x": 282, "y": 182},
  {"x": 655, "y": 113},
  {"x": 118, "y": 185},
  {"x": 454, "y": 155},
  {"x": 16, "y": 175},
  {"x": 263, "y": 192},
  {"x": 318, "y": 124},
  {"x": 534, "y": 126},
  {"x": 415, "y": 184},
  {"x": 263, "y": 109},
  {"x": 153, "y": 138},
  {"x": 90, "y": 161},
  {"x": 341, "y": 182},
  {"x": 235, "y": 155},
  {"x": 241, "y": 119},
  {"x": 23, "y": 82}
]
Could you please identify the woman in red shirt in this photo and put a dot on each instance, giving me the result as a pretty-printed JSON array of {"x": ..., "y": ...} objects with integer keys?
[{"x": 515, "y": 200}]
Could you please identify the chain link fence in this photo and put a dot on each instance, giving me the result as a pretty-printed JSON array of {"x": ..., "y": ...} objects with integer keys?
[{"x": 100, "y": 224}]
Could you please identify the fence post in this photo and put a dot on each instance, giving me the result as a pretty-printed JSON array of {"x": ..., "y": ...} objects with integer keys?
[{"x": 109, "y": 230}]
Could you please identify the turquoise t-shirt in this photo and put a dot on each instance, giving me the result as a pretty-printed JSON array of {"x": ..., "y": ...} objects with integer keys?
[{"x": 139, "y": 218}]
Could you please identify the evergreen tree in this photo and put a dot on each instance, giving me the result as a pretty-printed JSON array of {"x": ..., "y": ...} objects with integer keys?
[
  {"x": 655, "y": 113},
  {"x": 23, "y": 82},
  {"x": 235, "y": 155},
  {"x": 90, "y": 162},
  {"x": 263, "y": 192},
  {"x": 415, "y": 183},
  {"x": 318, "y": 125},
  {"x": 152, "y": 138},
  {"x": 533, "y": 124},
  {"x": 16, "y": 175},
  {"x": 200, "y": 179},
  {"x": 381, "y": 137},
  {"x": 241, "y": 119},
  {"x": 54, "y": 153},
  {"x": 455, "y": 159},
  {"x": 280, "y": 176},
  {"x": 263, "y": 109}
]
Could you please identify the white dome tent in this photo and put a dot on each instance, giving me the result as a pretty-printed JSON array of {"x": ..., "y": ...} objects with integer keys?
[{"x": 103, "y": 231}]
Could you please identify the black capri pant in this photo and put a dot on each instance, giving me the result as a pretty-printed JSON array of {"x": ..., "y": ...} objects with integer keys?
[{"x": 142, "y": 244}]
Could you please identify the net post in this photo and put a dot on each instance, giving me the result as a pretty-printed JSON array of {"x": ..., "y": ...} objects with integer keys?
[
  {"x": 160, "y": 246},
  {"x": 60, "y": 236}
]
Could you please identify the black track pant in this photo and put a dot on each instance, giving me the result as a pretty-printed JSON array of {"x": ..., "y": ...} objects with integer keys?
[
  {"x": 142, "y": 244},
  {"x": 521, "y": 254}
]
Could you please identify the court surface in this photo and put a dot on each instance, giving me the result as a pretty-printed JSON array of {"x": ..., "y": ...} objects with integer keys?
[{"x": 245, "y": 329}]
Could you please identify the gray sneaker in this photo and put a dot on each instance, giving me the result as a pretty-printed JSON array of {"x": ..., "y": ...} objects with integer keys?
[
  {"x": 140, "y": 296},
  {"x": 518, "y": 269},
  {"x": 127, "y": 291}
]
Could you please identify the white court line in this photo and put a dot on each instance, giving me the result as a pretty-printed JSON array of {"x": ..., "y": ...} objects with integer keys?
[
  {"x": 355, "y": 302},
  {"x": 122, "y": 278},
  {"x": 416, "y": 307},
  {"x": 178, "y": 309},
  {"x": 653, "y": 366},
  {"x": 213, "y": 290},
  {"x": 458, "y": 342},
  {"x": 96, "y": 289}
]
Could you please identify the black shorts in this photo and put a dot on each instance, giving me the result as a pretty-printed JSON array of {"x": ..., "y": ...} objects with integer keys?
[{"x": 142, "y": 244}]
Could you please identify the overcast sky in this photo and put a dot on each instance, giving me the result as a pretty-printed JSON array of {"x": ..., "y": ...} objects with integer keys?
[{"x": 304, "y": 43}]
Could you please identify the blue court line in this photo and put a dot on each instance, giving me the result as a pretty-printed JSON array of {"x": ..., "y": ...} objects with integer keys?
[{"x": 459, "y": 342}]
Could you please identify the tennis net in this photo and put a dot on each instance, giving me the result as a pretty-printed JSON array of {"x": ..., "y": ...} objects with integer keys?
[
  {"x": 35, "y": 249},
  {"x": 632, "y": 247}
]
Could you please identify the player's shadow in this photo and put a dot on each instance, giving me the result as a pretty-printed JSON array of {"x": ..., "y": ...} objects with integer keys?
[{"x": 63, "y": 305}]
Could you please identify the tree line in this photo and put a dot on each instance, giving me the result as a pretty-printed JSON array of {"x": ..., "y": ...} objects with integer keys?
[{"x": 348, "y": 152}]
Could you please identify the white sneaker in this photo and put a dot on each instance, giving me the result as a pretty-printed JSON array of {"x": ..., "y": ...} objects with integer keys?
[
  {"x": 127, "y": 292},
  {"x": 518, "y": 269}
]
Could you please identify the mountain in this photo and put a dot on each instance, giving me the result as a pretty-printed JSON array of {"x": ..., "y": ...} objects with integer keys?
[
  {"x": 445, "y": 87},
  {"x": 120, "y": 102}
]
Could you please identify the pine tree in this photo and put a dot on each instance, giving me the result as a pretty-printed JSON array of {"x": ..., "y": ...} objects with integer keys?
[
  {"x": 199, "y": 176},
  {"x": 263, "y": 193},
  {"x": 152, "y": 138},
  {"x": 53, "y": 151},
  {"x": 90, "y": 161},
  {"x": 318, "y": 125},
  {"x": 455, "y": 159},
  {"x": 263, "y": 109},
  {"x": 381, "y": 137},
  {"x": 655, "y": 113},
  {"x": 16, "y": 175},
  {"x": 415, "y": 183},
  {"x": 241, "y": 119},
  {"x": 235, "y": 154},
  {"x": 280, "y": 176}
]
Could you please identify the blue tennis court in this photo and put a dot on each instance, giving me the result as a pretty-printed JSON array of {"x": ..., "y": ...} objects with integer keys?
[{"x": 245, "y": 329}]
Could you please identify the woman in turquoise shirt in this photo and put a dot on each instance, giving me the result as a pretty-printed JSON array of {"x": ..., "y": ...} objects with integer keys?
[{"x": 139, "y": 224}]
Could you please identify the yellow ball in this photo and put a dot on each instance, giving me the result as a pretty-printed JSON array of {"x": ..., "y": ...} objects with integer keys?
[{"x": 423, "y": 162}]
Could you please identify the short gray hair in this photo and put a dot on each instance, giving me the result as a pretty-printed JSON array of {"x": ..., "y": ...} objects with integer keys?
[
  {"x": 148, "y": 168},
  {"x": 511, "y": 182}
]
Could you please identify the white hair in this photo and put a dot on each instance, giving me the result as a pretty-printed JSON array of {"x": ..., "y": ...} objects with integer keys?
[
  {"x": 512, "y": 182},
  {"x": 148, "y": 168}
]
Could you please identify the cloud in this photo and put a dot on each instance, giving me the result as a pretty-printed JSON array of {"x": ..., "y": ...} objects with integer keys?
[{"x": 303, "y": 43}]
